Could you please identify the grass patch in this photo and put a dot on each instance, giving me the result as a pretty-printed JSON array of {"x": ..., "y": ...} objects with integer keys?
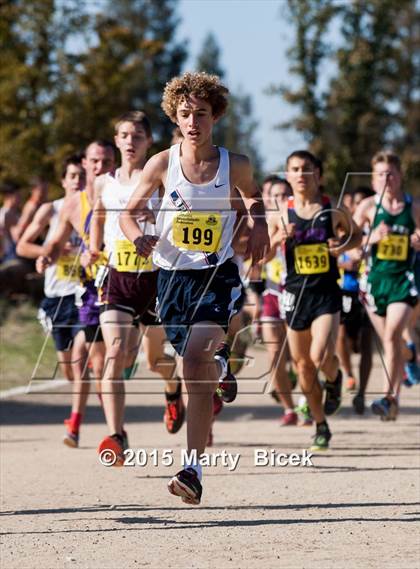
[{"x": 21, "y": 343}]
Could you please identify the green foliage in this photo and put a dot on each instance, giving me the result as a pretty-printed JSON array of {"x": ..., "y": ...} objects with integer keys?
[
  {"x": 67, "y": 72},
  {"x": 372, "y": 99},
  {"x": 236, "y": 130}
]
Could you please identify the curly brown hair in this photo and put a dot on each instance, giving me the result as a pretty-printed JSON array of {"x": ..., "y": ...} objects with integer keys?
[{"x": 201, "y": 85}]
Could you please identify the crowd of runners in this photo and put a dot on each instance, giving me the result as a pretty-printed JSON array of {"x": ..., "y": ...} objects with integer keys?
[{"x": 185, "y": 249}]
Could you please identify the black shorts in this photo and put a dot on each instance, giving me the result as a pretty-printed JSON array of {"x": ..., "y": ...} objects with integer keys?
[
  {"x": 353, "y": 314},
  {"x": 93, "y": 333},
  {"x": 257, "y": 287},
  {"x": 302, "y": 308},
  {"x": 60, "y": 316},
  {"x": 188, "y": 297},
  {"x": 132, "y": 293}
]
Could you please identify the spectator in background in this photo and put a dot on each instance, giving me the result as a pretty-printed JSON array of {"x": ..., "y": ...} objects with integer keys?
[
  {"x": 38, "y": 196},
  {"x": 9, "y": 218}
]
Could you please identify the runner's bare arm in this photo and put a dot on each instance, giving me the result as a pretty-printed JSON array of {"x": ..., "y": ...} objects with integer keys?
[
  {"x": 26, "y": 246},
  {"x": 242, "y": 179},
  {"x": 55, "y": 246},
  {"x": 152, "y": 177},
  {"x": 96, "y": 233},
  {"x": 348, "y": 233},
  {"x": 415, "y": 237}
]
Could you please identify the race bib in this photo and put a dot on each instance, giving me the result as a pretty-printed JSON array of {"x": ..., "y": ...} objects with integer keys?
[
  {"x": 68, "y": 268},
  {"x": 393, "y": 248},
  {"x": 275, "y": 270},
  {"x": 312, "y": 259},
  {"x": 126, "y": 259},
  {"x": 197, "y": 231}
]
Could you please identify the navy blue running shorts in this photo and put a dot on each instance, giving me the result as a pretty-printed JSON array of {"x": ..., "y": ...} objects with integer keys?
[
  {"x": 188, "y": 297},
  {"x": 60, "y": 316}
]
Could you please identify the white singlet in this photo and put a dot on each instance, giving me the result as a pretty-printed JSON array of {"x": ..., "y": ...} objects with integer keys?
[
  {"x": 195, "y": 222},
  {"x": 61, "y": 278},
  {"x": 121, "y": 252}
]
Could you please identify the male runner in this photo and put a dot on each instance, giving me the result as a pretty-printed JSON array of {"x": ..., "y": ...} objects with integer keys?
[
  {"x": 313, "y": 235},
  {"x": 199, "y": 287},
  {"x": 391, "y": 294},
  {"x": 128, "y": 291},
  {"x": 75, "y": 215},
  {"x": 58, "y": 312}
]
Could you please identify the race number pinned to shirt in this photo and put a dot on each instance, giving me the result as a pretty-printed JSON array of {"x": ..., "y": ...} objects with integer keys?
[
  {"x": 312, "y": 259},
  {"x": 197, "y": 231},
  {"x": 68, "y": 268},
  {"x": 393, "y": 248},
  {"x": 126, "y": 259},
  {"x": 275, "y": 270}
]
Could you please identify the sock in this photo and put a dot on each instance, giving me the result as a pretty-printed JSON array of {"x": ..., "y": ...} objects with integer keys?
[
  {"x": 197, "y": 468},
  {"x": 176, "y": 395},
  {"x": 75, "y": 421},
  {"x": 129, "y": 371},
  {"x": 412, "y": 347}
]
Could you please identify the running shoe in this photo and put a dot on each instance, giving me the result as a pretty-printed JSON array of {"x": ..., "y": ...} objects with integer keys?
[
  {"x": 125, "y": 443},
  {"x": 289, "y": 419},
  {"x": 304, "y": 412},
  {"x": 412, "y": 372},
  {"x": 71, "y": 439},
  {"x": 359, "y": 404},
  {"x": 333, "y": 394},
  {"x": 114, "y": 446},
  {"x": 228, "y": 387},
  {"x": 174, "y": 415},
  {"x": 384, "y": 408},
  {"x": 186, "y": 485},
  {"x": 350, "y": 383},
  {"x": 322, "y": 438}
]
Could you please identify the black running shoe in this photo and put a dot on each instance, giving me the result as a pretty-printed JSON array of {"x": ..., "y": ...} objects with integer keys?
[
  {"x": 186, "y": 485},
  {"x": 322, "y": 438},
  {"x": 333, "y": 394},
  {"x": 228, "y": 387},
  {"x": 359, "y": 404}
]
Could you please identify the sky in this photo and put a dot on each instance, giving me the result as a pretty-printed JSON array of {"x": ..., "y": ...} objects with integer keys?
[{"x": 254, "y": 37}]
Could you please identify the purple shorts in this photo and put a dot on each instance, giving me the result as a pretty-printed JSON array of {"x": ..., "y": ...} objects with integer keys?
[{"x": 89, "y": 311}]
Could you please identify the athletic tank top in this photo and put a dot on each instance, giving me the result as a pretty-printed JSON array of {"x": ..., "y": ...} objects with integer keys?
[
  {"x": 61, "y": 278},
  {"x": 307, "y": 257},
  {"x": 86, "y": 211},
  {"x": 195, "y": 222},
  {"x": 349, "y": 279},
  {"x": 393, "y": 254},
  {"x": 120, "y": 252}
]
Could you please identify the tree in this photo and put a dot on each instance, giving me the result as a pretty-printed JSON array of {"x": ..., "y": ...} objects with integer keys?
[
  {"x": 236, "y": 130},
  {"x": 126, "y": 68},
  {"x": 372, "y": 100}
]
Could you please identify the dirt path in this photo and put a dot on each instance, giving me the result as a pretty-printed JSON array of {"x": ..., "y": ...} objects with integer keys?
[{"x": 357, "y": 507}]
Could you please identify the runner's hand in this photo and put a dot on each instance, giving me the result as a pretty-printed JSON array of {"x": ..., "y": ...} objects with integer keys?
[
  {"x": 88, "y": 258},
  {"x": 335, "y": 245},
  {"x": 145, "y": 244},
  {"x": 42, "y": 263},
  {"x": 379, "y": 233},
  {"x": 259, "y": 242},
  {"x": 415, "y": 240},
  {"x": 285, "y": 232}
]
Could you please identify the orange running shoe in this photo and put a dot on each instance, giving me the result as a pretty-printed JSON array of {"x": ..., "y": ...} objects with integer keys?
[
  {"x": 350, "y": 384},
  {"x": 174, "y": 415},
  {"x": 111, "y": 451},
  {"x": 71, "y": 438}
]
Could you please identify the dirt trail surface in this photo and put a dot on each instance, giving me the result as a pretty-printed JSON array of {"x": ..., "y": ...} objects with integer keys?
[{"x": 357, "y": 507}]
